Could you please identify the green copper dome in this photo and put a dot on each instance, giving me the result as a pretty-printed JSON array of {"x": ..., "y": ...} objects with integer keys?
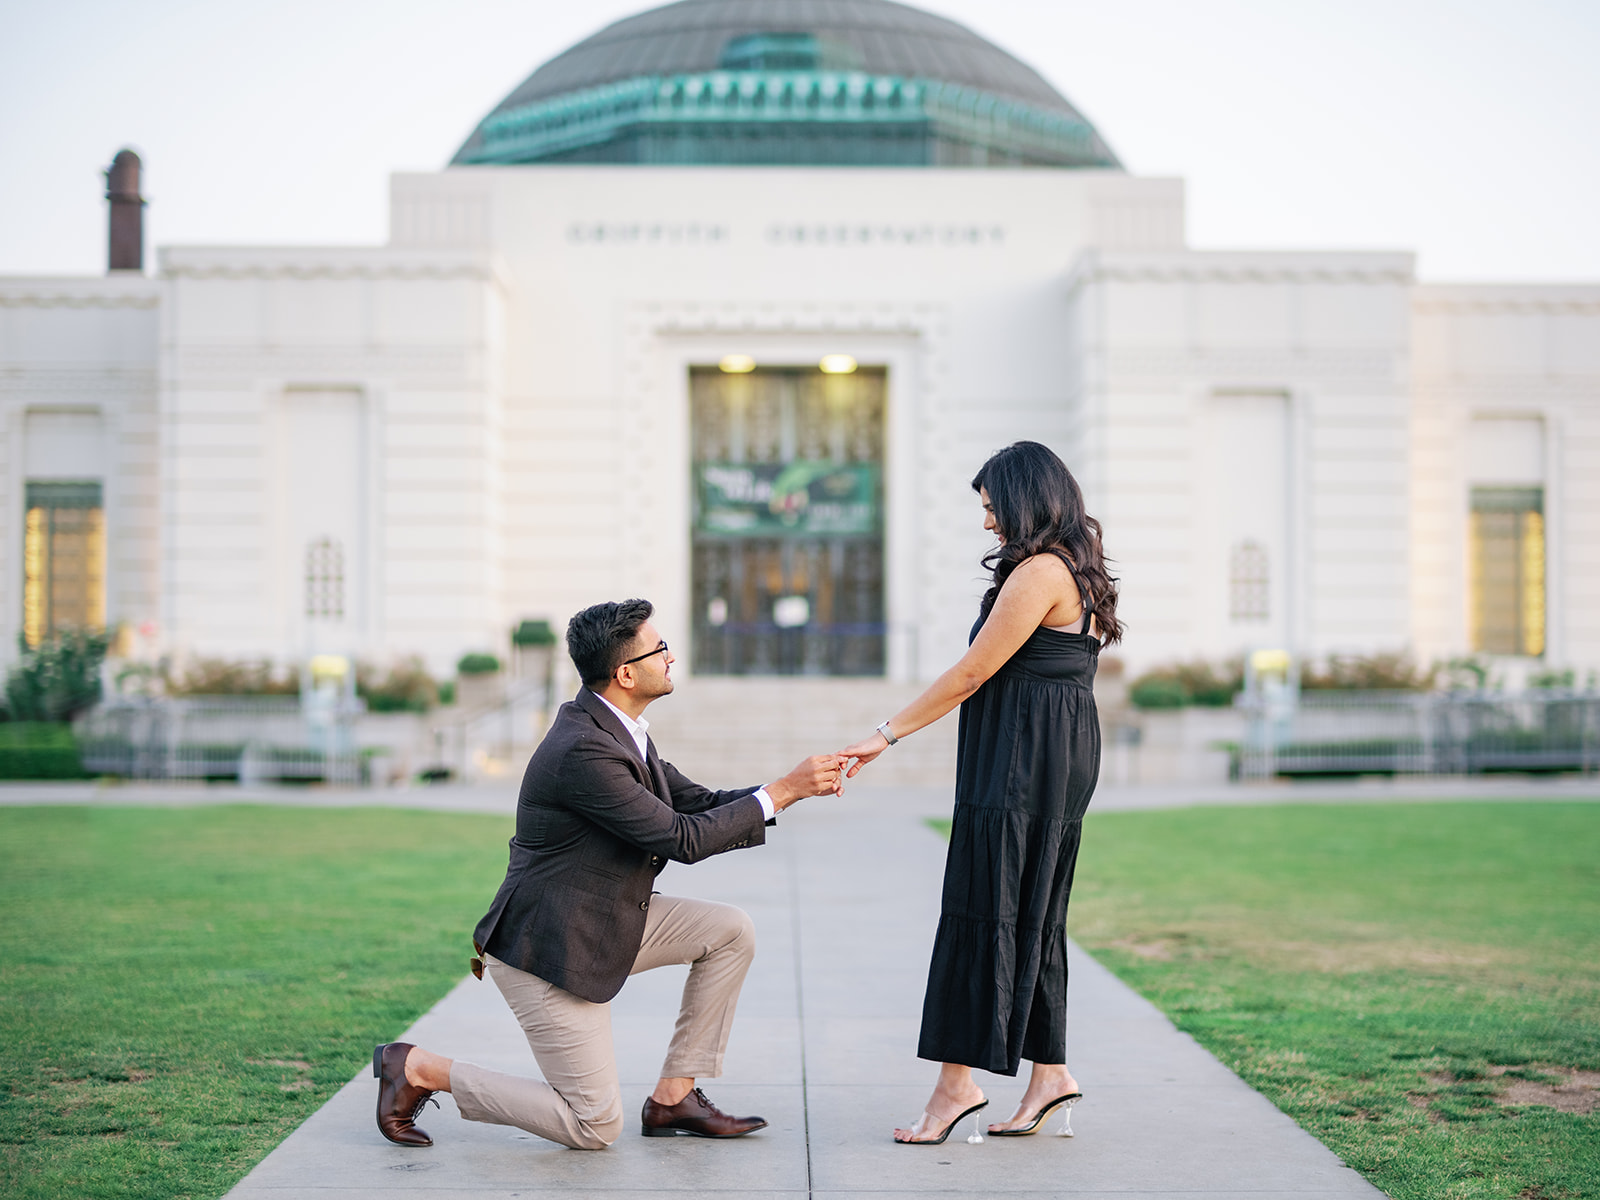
[{"x": 787, "y": 83}]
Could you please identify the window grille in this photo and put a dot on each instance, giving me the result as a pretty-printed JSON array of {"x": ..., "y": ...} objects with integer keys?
[
  {"x": 787, "y": 570},
  {"x": 1248, "y": 579},
  {"x": 325, "y": 579}
]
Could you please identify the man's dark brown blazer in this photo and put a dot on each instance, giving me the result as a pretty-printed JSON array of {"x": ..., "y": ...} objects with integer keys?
[{"x": 594, "y": 828}]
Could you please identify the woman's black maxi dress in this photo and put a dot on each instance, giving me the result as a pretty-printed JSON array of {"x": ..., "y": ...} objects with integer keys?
[{"x": 1027, "y": 761}]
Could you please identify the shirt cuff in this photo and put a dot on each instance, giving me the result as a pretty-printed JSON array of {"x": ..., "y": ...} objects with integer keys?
[{"x": 768, "y": 808}]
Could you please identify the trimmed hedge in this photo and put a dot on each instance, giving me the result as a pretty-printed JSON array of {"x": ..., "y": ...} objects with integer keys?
[
  {"x": 39, "y": 750},
  {"x": 1179, "y": 685},
  {"x": 533, "y": 633}
]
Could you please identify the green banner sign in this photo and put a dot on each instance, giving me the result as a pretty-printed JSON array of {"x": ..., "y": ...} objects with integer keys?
[{"x": 797, "y": 499}]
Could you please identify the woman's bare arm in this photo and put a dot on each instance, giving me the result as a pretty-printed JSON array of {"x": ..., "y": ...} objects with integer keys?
[{"x": 1033, "y": 590}]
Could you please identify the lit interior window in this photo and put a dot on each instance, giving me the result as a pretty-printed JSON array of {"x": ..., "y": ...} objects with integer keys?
[
  {"x": 63, "y": 560},
  {"x": 1508, "y": 571}
]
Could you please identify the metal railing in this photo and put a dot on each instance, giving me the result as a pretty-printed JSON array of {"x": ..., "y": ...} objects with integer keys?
[
  {"x": 518, "y": 718},
  {"x": 1440, "y": 733},
  {"x": 252, "y": 739}
]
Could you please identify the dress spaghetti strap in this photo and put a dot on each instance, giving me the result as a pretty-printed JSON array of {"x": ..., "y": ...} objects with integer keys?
[{"x": 1085, "y": 597}]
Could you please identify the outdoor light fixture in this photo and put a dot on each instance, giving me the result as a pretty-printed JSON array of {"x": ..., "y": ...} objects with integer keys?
[
  {"x": 329, "y": 666},
  {"x": 743, "y": 364},
  {"x": 836, "y": 364},
  {"x": 791, "y": 612},
  {"x": 1268, "y": 662}
]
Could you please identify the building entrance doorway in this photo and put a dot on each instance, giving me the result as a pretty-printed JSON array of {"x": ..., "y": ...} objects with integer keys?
[{"x": 787, "y": 521}]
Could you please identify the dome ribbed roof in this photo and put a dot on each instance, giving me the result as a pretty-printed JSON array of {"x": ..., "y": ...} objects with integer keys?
[
  {"x": 872, "y": 38},
  {"x": 887, "y": 39}
]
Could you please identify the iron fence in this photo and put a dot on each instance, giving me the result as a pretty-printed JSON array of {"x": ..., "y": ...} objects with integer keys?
[
  {"x": 251, "y": 739},
  {"x": 1441, "y": 733}
]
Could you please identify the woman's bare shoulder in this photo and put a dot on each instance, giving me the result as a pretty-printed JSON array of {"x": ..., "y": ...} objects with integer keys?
[
  {"x": 1045, "y": 565},
  {"x": 1043, "y": 576}
]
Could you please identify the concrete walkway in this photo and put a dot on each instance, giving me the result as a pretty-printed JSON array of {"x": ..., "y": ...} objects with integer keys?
[{"x": 845, "y": 900}]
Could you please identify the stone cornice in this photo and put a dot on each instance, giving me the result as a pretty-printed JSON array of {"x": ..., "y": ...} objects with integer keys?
[
  {"x": 689, "y": 318},
  {"x": 1578, "y": 299},
  {"x": 1502, "y": 385},
  {"x": 1207, "y": 266},
  {"x": 41, "y": 380},
  {"x": 376, "y": 263},
  {"x": 109, "y": 291}
]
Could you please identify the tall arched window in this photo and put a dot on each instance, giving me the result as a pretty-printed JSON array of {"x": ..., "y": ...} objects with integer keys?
[
  {"x": 1247, "y": 582},
  {"x": 325, "y": 579}
]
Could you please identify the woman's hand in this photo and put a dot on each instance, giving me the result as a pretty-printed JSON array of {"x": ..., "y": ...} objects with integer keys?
[{"x": 863, "y": 752}]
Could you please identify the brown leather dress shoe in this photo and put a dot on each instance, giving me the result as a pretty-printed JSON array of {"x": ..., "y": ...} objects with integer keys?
[
  {"x": 399, "y": 1102},
  {"x": 694, "y": 1116}
]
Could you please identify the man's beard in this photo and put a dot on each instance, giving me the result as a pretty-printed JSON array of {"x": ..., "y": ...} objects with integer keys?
[{"x": 654, "y": 688}]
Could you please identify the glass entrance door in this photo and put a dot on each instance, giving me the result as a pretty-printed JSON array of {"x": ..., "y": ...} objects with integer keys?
[{"x": 788, "y": 521}]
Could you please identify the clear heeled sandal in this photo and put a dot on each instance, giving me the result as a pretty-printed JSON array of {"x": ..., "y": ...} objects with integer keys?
[
  {"x": 926, "y": 1121},
  {"x": 1064, "y": 1103}
]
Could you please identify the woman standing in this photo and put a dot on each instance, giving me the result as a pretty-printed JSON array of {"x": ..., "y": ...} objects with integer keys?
[{"x": 1026, "y": 766}]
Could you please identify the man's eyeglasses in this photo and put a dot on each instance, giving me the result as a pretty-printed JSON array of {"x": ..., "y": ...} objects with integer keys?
[{"x": 661, "y": 649}]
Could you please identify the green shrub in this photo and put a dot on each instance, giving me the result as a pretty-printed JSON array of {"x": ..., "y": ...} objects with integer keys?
[
  {"x": 477, "y": 664},
  {"x": 137, "y": 679},
  {"x": 1554, "y": 679},
  {"x": 406, "y": 687},
  {"x": 1368, "y": 672},
  {"x": 1181, "y": 684},
  {"x": 1465, "y": 674},
  {"x": 533, "y": 633},
  {"x": 1158, "y": 691},
  {"x": 226, "y": 677},
  {"x": 1213, "y": 687},
  {"x": 39, "y": 750},
  {"x": 58, "y": 680}
]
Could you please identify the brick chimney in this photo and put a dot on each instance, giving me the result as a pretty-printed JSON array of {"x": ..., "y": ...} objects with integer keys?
[{"x": 127, "y": 213}]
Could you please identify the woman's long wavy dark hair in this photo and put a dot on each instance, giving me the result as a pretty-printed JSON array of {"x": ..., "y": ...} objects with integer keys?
[{"x": 1038, "y": 507}]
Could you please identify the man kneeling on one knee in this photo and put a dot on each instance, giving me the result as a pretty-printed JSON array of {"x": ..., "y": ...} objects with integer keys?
[{"x": 598, "y": 817}]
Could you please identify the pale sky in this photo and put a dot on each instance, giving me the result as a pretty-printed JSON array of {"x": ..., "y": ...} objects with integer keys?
[{"x": 1464, "y": 130}]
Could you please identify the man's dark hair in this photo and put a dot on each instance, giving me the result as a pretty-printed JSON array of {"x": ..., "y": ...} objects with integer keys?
[{"x": 599, "y": 638}]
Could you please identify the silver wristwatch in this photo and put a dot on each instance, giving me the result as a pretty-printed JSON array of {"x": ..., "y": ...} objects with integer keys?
[{"x": 887, "y": 736}]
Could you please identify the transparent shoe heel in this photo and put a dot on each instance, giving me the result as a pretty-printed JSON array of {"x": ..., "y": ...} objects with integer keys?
[
  {"x": 975, "y": 1138},
  {"x": 1066, "y": 1120}
]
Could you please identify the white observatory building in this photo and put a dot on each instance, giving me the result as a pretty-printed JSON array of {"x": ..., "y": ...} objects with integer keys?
[{"x": 723, "y": 307}]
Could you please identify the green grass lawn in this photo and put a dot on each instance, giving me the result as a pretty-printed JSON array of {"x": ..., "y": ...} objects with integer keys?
[
  {"x": 179, "y": 988},
  {"x": 1375, "y": 970}
]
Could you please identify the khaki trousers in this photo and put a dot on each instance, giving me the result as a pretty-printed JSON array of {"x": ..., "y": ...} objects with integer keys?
[{"x": 579, "y": 1101}]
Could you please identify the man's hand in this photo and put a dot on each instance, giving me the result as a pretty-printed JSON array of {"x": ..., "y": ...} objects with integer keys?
[{"x": 819, "y": 775}]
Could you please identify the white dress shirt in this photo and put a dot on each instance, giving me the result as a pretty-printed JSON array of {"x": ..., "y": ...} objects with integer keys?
[{"x": 640, "y": 730}]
